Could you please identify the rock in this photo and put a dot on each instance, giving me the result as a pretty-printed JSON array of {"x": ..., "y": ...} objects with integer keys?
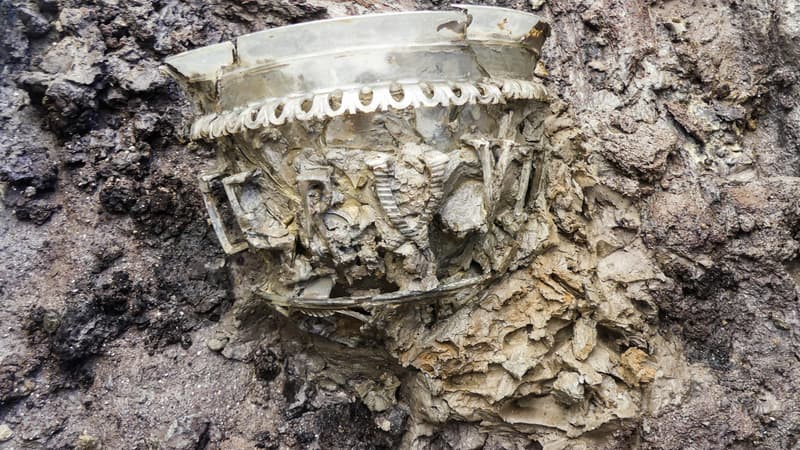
[
  {"x": 521, "y": 352},
  {"x": 536, "y": 4},
  {"x": 143, "y": 79},
  {"x": 37, "y": 211},
  {"x": 267, "y": 365},
  {"x": 187, "y": 433},
  {"x": 239, "y": 351},
  {"x": 28, "y": 167},
  {"x": 87, "y": 442},
  {"x": 112, "y": 293},
  {"x": 83, "y": 329},
  {"x": 677, "y": 27},
  {"x": 35, "y": 24},
  {"x": 540, "y": 411},
  {"x": 568, "y": 388},
  {"x": 379, "y": 396},
  {"x": 42, "y": 320},
  {"x": 635, "y": 367},
  {"x": 216, "y": 344},
  {"x": 540, "y": 70},
  {"x": 118, "y": 195},
  {"x": 71, "y": 107},
  {"x": 584, "y": 338},
  {"x": 76, "y": 20},
  {"x": 298, "y": 391},
  {"x": 211, "y": 301},
  {"x": 598, "y": 65},
  {"x": 6, "y": 433},
  {"x": 789, "y": 28},
  {"x": 397, "y": 419},
  {"x": 463, "y": 211}
]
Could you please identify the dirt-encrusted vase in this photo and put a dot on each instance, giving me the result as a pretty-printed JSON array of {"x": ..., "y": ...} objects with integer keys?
[{"x": 372, "y": 160}]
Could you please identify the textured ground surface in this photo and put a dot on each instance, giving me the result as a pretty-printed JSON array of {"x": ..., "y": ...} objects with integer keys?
[{"x": 674, "y": 187}]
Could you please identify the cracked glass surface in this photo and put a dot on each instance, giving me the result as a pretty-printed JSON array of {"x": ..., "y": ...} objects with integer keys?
[{"x": 373, "y": 160}]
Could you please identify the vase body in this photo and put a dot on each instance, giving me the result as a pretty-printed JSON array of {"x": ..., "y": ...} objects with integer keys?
[{"x": 373, "y": 160}]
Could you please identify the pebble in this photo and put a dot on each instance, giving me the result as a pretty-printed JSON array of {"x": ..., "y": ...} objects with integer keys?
[
  {"x": 88, "y": 442},
  {"x": 6, "y": 433},
  {"x": 536, "y": 4},
  {"x": 216, "y": 344}
]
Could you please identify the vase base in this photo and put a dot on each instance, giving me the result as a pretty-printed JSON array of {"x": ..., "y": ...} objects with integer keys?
[{"x": 460, "y": 290}]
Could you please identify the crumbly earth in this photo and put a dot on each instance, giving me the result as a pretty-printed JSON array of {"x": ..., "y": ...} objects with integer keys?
[{"x": 122, "y": 326}]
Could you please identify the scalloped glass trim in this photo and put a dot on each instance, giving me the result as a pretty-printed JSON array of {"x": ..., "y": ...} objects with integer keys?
[{"x": 278, "y": 111}]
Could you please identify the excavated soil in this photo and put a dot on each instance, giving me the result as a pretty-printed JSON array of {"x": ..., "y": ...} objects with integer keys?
[{"x": 122, "y": 327}]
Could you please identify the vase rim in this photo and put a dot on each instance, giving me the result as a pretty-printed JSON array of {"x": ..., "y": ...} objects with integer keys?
[
  {"x": 224, "y": 53},
  {"x": 478, "y": 46}
]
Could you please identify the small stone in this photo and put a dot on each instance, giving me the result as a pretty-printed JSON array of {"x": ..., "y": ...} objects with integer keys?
[
  {"x": 216, "y": 344},
  {"x": 239, "y": 351},
  {"x": 464, "y": 211},
  {"x": 746, "y": 223},
  {"x": 383, "y": 424},
  {"x": 379, "y": 396},
  {"x": 540, "y": 70},
  {"x": 35, "y": 23},
  {"x": 598, "y": 65},
  {"x": 6, "y": 433},
  {"x": 50, "y": 322},
  {"x": 187, "y": 433},
  {"x": 29, "y": 385},
  {"x": 584, "y": 338},
  {"x": 267, "y": 365},
  {"x": 677, "y": 27},
  {"x": 536, "y": 4},
  {"x": 568, "y": 388},
  {"x": 393, "y": 421},
  {"x": 635, "y": 368},
  {"x": 87, "y": 442}
]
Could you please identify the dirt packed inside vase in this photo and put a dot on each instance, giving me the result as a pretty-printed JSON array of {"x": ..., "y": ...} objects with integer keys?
[{"x": 385, "y": 205}]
